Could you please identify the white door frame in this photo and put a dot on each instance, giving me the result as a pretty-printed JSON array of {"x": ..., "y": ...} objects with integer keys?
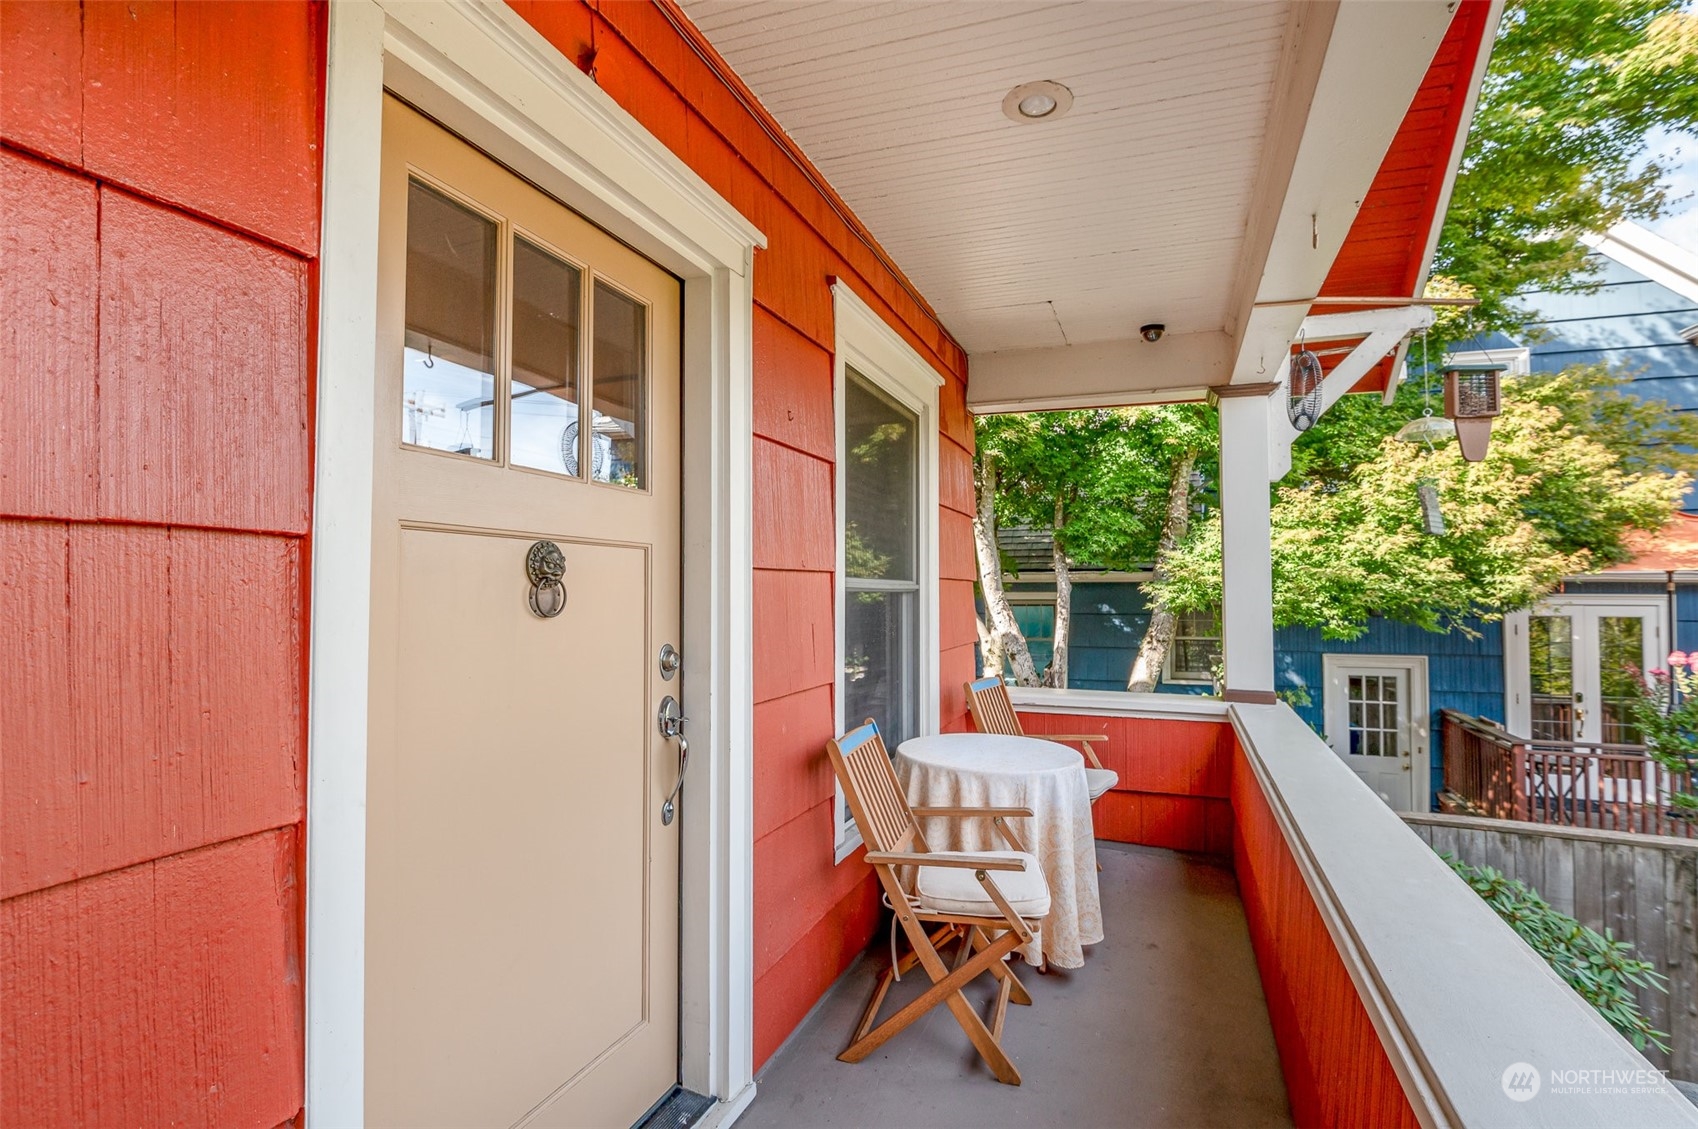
[
  {"x": 1333, "y": 667},
  {"x": 484, "y": 73},
  {"x": 1518, "y": 678}
]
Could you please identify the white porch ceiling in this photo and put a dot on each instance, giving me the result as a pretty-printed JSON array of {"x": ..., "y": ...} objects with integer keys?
[
  {"x": 1211, "y": 166},
  {"x": 1029, "y": 235}
]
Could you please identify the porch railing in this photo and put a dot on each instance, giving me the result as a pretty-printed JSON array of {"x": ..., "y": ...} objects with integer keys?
[
  {"x": 1490, "y": 772},
  {"x": 1353, "y": 920}
]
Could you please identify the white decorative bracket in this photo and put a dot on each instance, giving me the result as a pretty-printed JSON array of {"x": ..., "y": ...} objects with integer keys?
[{"x": 1382, "y": 333}]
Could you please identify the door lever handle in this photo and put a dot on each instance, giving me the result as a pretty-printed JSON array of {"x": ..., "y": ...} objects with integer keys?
[{"x": 669, "y": 809}]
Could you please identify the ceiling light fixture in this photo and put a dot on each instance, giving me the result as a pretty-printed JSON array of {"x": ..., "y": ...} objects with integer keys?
[{"x": 1037, "y": 102}]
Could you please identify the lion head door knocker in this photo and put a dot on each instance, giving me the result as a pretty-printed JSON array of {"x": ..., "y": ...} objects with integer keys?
[{"x": 545, "y": 564}]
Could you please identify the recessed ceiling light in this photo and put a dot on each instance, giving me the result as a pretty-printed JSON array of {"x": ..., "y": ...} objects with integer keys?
[{"x": 1037, "y": 102}]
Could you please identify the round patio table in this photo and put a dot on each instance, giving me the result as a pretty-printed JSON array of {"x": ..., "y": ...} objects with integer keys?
[{"x": 988, "y": 770}]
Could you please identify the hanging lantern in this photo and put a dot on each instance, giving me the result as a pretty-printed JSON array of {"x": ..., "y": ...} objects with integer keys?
[{"x": 1471, "y": 400}]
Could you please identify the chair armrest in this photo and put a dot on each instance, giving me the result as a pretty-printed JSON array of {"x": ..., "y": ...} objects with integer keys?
[
  {"x": 969, "y": 813},
  {"x": 959, "y": 860},
  {"x": 1085, "y": 739}
]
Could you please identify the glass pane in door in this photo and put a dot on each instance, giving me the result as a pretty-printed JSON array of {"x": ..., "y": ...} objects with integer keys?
[
  {"x": 448, "y": 385},
  {"x": 1550, "y": 647},
  {"x": 1621, "y": 649},
  {"x": 544, "y": 408},
  {"x": 617, "y": 449},
  {"x": 1375, "y": 726}
]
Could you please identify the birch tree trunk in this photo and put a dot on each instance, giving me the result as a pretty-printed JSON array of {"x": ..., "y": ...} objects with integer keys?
[
  {"x": 1056, "y": 675},
  {"x": 1006, "y": 640},
  {"x": 1158, "y": 637}
]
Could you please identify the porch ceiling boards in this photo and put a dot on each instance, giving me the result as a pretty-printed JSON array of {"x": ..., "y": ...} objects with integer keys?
[
  {"x": 1213, "y": 162},
  {"x": 1028, "y": 235}
]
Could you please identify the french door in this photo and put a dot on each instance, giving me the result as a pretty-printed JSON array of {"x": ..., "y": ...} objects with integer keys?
[{"x": 1581, "y": 659}]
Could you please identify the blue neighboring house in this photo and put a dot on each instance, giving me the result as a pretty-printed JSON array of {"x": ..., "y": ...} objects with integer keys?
[{"x": 1550, "y": 674}]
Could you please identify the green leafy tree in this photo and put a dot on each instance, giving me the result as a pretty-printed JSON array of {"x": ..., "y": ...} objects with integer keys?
[
  {"x": 1099, "y": 481},
  {"x": 1557, "y": 143},
  {"x": 1566, "y": 478}
]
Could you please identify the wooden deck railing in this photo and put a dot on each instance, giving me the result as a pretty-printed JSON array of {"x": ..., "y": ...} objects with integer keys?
[{"x": 1490, "y": 772}]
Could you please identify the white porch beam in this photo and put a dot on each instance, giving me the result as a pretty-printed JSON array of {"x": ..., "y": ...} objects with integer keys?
[
  {"x": 1247, "y": 632},
  {"x": 1181, "y": 366},
  {"x": 1383, "y": 333},
  {"x": 1361, "y": 95}
]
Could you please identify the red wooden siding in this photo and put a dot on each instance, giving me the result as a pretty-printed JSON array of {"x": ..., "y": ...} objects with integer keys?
[
  {"x": 1336, "y": 1071},
  {"x": 813, "y": 915},
  {"x": 1385, "y": 251},
  {"x": 1174, "y": 777},
  {"x": 160, "y": 167}
]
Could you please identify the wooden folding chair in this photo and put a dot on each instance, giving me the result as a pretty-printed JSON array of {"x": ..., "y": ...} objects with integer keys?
[
  {"x": 987, "y": 701},
  {"x": 948, "y": 894}
]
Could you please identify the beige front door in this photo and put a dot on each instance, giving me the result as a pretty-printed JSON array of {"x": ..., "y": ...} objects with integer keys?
[{"x": 522, "y": 889}]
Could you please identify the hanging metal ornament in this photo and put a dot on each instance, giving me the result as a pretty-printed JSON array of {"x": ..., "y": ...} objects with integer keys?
[
  {"x": 1432, "y": 518},
  {"x": 1423, "y": 431},
  {"x": 1303, "y": 388}
]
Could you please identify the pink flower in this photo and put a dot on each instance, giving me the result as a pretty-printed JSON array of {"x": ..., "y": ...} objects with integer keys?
[
  {"x": 1659, "y": 672},
  {"x": 1678, "y": 658}
]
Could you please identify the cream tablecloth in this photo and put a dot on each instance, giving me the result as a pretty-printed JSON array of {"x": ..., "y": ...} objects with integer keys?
[{"x": 986, "y": 770}]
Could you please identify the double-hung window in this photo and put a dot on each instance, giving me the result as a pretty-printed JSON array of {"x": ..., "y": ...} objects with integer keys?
[
  {"x": 1196, "y": 647},
  {"x": 881, "y": 579},
  {"x": 887, "y": 573}
]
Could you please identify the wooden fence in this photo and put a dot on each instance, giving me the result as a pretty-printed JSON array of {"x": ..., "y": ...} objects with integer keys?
[
  {"x": 1642, "y": 888},
  {"x": 1489, "y": 772}
]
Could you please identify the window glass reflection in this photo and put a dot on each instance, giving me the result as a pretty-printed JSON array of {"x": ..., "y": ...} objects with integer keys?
[
  {"x": 544, "y": 406},
  {"x": 620, "y": 365},
  {"x": 448, "y": 383},
  {"x": 881, "y": 445}
]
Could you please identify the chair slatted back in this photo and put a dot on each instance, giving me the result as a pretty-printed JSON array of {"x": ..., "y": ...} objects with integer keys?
[
  {"x": 863, "y": 768},
  {"x": 987, "y": 701}
]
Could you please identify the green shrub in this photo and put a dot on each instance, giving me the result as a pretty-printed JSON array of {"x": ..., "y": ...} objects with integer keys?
[{"x": 1602, "y": 969}]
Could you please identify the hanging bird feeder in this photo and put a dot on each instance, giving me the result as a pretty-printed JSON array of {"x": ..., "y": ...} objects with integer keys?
[
  {"x": 1471, "y": 399},
  {"x": 1426, "y": 430}
]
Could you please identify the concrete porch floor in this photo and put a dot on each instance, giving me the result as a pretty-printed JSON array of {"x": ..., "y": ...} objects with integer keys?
[{"x": 1164, "y": 1026}]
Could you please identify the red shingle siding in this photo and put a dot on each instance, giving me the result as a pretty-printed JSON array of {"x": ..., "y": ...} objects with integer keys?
[{"x": 161, "y": 172}]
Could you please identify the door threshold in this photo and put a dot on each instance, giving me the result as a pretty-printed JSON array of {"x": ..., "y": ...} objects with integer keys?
[{"x": 679, "y": 1109}]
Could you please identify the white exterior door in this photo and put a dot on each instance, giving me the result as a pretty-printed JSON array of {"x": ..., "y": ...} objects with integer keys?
[
  {"x": 1376, "y": 721},
  {"x": 1574, "y": 663},
  {"x": 523, "y": 895}
]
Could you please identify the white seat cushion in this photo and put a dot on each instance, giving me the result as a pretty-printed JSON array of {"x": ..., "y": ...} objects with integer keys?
[
  {"x": 1098, "y": 781},
  {"x": 949, "y": 889}
]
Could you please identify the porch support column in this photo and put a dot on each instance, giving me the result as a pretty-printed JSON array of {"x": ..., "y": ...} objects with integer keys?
[{"x": 1247, "y": 635}]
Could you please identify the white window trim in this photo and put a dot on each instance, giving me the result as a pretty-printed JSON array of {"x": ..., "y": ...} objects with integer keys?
[
  {"x": 485, "y": 74},
  {"x": 880, "y": 354},
  {"x": 1167, "y": 675}
]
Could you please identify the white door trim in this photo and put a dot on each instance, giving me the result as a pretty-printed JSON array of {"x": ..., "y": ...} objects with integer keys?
[
  {"x": 1518, "y": 676},
  {"x": 1420, "y": 713},
  {"x": 484, "y": 73}
]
